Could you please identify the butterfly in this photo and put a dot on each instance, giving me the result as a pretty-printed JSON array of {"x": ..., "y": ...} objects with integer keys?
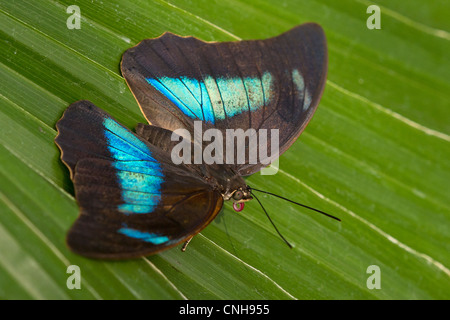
[{"x": 134, "y": 200}]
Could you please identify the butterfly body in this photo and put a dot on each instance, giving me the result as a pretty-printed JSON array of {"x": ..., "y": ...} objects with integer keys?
[
  {"x": 134, "y": 199},
  {"x": 221, "y": 177}
]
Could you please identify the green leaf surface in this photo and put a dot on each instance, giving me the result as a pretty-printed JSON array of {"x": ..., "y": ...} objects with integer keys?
[{"x": 376, "y": 154}]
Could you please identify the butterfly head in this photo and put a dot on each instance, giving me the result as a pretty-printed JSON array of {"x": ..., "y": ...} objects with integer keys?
[
  {"x": 240, "y": 196},
  {"x": 237, "y": 194}
]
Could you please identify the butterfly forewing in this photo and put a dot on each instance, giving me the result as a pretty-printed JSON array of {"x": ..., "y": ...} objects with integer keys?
[{"x": 260, "y": 84}]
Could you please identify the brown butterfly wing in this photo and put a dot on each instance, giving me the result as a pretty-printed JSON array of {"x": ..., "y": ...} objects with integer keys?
[
  {"x": 260, "y": 84},
  {"x": 133, "y": 200}
]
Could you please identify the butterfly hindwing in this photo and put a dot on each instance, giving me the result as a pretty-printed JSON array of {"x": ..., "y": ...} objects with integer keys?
[
  {"x": 259, "y": 84},
  {"x": 133, "y": 200},
  {"x": 116, "y": 223}
]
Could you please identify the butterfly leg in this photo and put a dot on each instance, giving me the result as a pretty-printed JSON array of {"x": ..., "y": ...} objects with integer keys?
[{"x": 186, "y": 244}]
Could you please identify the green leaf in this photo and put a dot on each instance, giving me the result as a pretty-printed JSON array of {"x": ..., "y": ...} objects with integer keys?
[{"x": 375, "y": 154}]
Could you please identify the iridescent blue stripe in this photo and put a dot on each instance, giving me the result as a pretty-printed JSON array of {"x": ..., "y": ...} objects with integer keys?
[
  {"x": 138, "y": 173},
  {"x": 216, "y": 98},
  {"x": 144, "y": 236}
]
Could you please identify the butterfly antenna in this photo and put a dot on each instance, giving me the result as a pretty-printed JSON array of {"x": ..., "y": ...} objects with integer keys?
[
  {"x": 279, "y": 233},
  {"x": 302, "y": 205}
]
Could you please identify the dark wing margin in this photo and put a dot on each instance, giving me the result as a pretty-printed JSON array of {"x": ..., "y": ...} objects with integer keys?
[
  {"x": 260, "y": 84},
  {"x": 133, "y": 201}
]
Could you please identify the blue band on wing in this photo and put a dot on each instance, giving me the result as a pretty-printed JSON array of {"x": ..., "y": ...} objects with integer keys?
[
  {"x": 138, "y": 173},
  {"x": 144, "y": 236},
  {"x": 215, "y": 98}
]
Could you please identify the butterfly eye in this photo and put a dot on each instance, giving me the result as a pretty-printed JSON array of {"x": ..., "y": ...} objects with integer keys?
[{"x": 238, "y": 195}]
